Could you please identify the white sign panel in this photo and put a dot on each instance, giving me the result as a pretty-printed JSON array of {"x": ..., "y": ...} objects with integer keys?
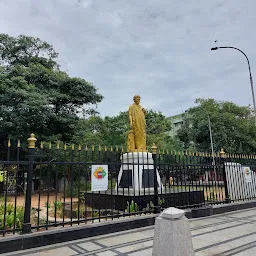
[
  {"x": 99, "y": 177},
  {"x": 247, "y": 174}
]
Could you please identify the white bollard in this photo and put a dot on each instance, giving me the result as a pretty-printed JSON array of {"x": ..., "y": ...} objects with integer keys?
[{"x": 172, "y": 234}]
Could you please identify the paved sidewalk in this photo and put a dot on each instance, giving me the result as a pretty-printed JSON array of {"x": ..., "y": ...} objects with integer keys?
[{"x": 220, "y": 235}]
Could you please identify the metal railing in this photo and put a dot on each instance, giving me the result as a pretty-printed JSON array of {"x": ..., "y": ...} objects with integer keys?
[{"x": 54, "y": 184}]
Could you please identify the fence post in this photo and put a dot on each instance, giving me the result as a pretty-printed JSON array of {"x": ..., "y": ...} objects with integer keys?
[
  {"x": 222, "y": 158},
  {"x": 156, "y": 204},
  {"x": 26, "y": 228}
]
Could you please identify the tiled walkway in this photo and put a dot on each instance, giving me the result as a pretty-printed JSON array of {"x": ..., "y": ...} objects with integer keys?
[{"x": 220, "y": 235}]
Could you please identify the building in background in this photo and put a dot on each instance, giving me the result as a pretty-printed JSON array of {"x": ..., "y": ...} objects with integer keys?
[{"x": 176, "y": 122}]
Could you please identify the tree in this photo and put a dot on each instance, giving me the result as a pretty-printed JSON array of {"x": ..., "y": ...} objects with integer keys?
[
  {"x": 109, "y": 131},
  {"x": 116, "y": 129},
  {"x": 158, "y": 128},
  {"x": 35, "y": 96},
  {"x": 232, "y": 127},
  {"x": 25, "y": 50},
  {"x": 113, "y": 131},
  {"x": 90, "y": 131}
]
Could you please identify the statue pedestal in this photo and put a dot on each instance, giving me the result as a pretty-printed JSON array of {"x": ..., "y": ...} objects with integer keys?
[{"x": 136, "y": 174}]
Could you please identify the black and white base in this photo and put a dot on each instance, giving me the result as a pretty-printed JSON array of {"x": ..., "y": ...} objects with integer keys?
[{"x": 137, "y": 173}]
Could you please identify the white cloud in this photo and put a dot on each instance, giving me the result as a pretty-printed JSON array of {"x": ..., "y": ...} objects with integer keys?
[{"x": 158, "y": 49}]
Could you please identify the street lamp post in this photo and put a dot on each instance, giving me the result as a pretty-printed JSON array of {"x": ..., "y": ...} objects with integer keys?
[{"x": 251, "y": 81}]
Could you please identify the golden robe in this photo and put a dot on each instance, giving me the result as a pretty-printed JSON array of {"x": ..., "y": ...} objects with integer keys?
[{"x": 137, "y": 136}]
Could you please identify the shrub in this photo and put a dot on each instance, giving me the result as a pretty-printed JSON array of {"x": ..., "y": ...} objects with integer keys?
[{"x": 9, "y": 217}]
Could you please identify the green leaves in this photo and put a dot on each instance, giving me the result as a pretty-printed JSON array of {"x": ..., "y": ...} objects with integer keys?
[
  {"x": 35, "y": 95},
  {"x": 232, "y": 127},
  {"x": 157, "y": 123},
  {"x": 24, "y": 50},
  {"x": 113, "y": 131}
]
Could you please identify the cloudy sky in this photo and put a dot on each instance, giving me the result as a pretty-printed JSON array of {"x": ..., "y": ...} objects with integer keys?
[{"x": 159, "y": 49}]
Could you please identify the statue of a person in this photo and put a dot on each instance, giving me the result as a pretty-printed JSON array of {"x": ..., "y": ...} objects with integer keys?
[{"x": 137, "y": 134}]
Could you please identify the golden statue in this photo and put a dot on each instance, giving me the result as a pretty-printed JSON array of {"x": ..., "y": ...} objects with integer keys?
[{"x": 137, "y": 134}]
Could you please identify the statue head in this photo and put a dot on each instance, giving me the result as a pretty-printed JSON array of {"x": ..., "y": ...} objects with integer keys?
[{"x": 136, "y": 99}]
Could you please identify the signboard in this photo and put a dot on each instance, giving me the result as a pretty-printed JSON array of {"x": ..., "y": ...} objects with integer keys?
[
  {"x": 247, "y": 174},
  {"x": 99, "y": 177}
]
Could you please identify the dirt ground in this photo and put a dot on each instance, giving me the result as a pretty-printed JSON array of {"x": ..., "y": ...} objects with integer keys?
[
  {"x": 35, "y": 199},
  {"x": 212, "y": 193}
]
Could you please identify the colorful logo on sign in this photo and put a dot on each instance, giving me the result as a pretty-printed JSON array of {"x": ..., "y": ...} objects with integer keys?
[
  {"x": 99, "y": 173},
  {"x": 247, "y": 171}
]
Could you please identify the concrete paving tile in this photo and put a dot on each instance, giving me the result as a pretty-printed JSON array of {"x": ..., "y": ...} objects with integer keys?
[
  {"x": 201, "y": 254},
  {"x": 122, "y": 239},
  {"x": 229, "y": 225},
  {"x": 197, "y": 223},
  {"x": 32, "y": 254},
  {"x": 214, "y": 227},
  {"x": 148, "y": 233},
  {"x": 226, "y": 247},
  {"x": 90, "y": 246},
  {"x": 147, "y": 252},
  {"x": 134, "y": 247},
  {"x": 106, "y": 253},
  {"x": 55, "y": 252},
  {"x": 205, "y": 254},
  {"x": 223, "y": 235},
  {"x": 242, "y": 214},
  {"x": 251, "y": 252}
]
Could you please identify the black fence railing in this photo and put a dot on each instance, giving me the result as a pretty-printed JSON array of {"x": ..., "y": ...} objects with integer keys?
[{"x": 61, "y": 185}]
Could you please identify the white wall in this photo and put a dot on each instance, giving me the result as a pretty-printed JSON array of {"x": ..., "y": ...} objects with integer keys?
[{"x": 238, "y": 188}]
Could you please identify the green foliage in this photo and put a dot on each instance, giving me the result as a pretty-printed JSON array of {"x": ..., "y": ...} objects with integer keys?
[
  {"x": 113, "y": 183},
  {"x": 2, "y": 199},
  {"x": 151, "y": 206},
  {"x": 35, "y": 96},
  {"x": 132, "y": 207},
  {"x": 161, "y": 201},
  {"x": 73, "y": 189},
  {"x": 158, "y": 128},
  {"x": 95, "y": 214},
  {"x": 24, "y": 50},
  {"x": 57, "y": 205},
  {"x": 114, "y": 131},
  {"x": 157, "y": 123},
  {"x": 10, "y": 216},
  {"x": 47, "y": 204},
  {"x": 103, "y": 131},
  {"x": 90, "y": 131},
  {"x": 233, "y": 127}
]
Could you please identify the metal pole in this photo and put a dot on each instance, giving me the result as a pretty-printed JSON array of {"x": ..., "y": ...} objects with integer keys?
[
  {"x": 213, "y": 160},
  {"x": 26, "y": 228},
  {"x": 251, "y": 81},
  {"x": 156, "y": 204},
  {"x": 253, "y": 97},
  {"x": 222, "y": 160}
]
